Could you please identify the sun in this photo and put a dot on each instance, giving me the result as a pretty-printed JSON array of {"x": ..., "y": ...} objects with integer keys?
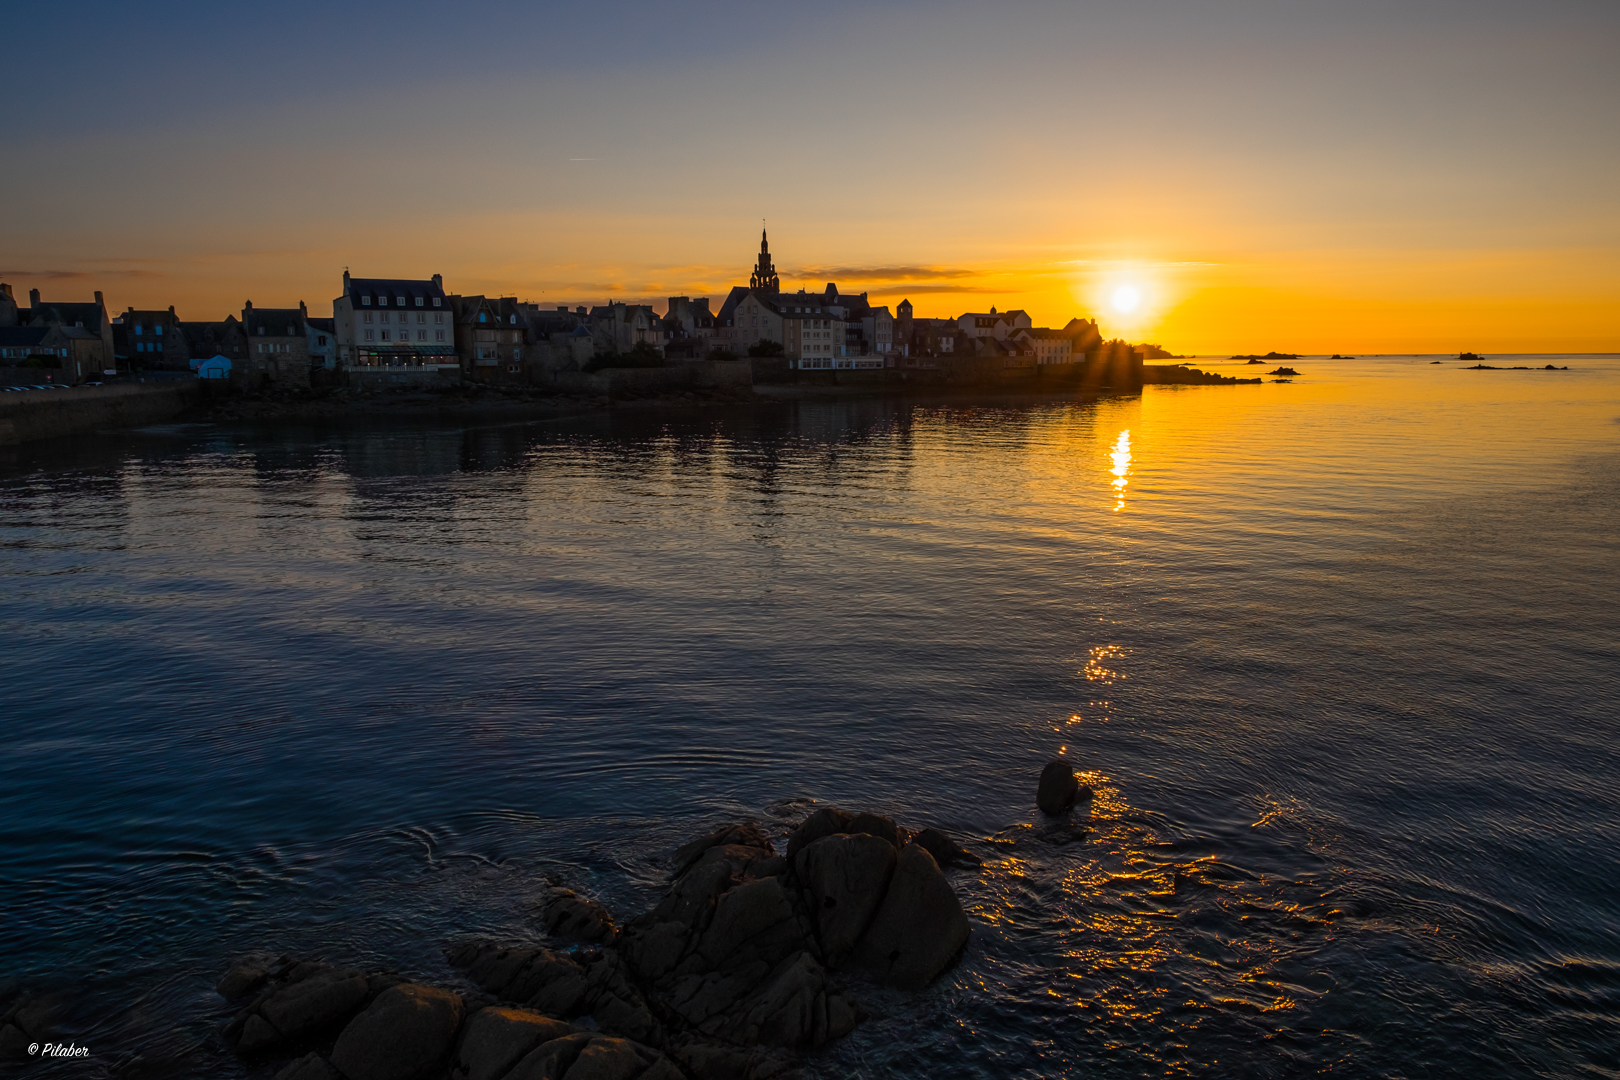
[{"x": 1125, "y": 299}]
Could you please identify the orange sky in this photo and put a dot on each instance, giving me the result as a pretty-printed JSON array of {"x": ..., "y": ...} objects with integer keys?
[{"x": 1263, "y": 175}]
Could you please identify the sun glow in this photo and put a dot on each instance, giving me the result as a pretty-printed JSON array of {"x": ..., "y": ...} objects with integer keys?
[
  {"x": 1126, "y": 299},
  {"x": 1122, "y": 469}
]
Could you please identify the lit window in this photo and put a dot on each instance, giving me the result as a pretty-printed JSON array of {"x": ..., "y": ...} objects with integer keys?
[
  {"x": 137, "y": 329},
  {"x": 482, "y": 317}
]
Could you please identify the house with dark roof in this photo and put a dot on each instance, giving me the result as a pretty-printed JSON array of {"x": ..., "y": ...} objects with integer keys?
[
  {"x": 395, "y": 330},
  {"x": 322, "y": 343},
  {"x": 150, "y": 340},
  {"x": 277, "y": 348},
  {"x": 9, "y": 315},
  {"x": 34, "y": 346},
  {"x": 88, "y": 328},
  {"x": 491, "y": 338},
  {"x": 205, "y": 340}
]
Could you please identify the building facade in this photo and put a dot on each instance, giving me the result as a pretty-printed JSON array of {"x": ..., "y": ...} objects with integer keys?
[
  {"x": 278, "y": 348},
  {"x": 398, "y": 325},
  {"x": 152, "y": 340}
]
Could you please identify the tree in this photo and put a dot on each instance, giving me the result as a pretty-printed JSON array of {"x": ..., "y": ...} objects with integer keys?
[
  {"x": 641, "y": 355},
  {"x": 766, "y": 348}
]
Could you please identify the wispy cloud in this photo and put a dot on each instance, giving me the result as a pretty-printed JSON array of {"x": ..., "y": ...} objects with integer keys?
[
  {"x": 75, "y": 275},
  {"x": 916, "y": 290},
  {"x": 886, "y": 273}
]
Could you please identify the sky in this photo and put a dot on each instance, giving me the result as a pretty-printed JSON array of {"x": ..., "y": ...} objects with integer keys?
[{"x": 1211, "y": 175}]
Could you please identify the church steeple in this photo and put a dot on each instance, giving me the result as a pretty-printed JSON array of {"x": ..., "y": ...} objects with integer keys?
[{"x": 764, "y": 277}]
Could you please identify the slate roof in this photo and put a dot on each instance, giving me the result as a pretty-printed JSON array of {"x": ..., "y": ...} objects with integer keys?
[
  {"x": 393, "y": 289},
  {"x": 14, "y": 337},
  {"x": 327, "y": 325},
  {"x": 67, "y": 314},
  {"x": 274, "y": 322}
]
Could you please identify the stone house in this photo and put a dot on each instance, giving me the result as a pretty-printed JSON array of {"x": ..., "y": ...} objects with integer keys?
[
  {"x": 994, "y": 324},
  {"x": 19, "y": 344},
  {"x": 152, "y": 340},
  {"x": 90, "y": 350},
  {"x": 620, "y": 327},
  {"x": 322, "y": 343},
  {"x": 689, "y": 328},
  {"x": 559, "y": 339},
  {"x": 1049, "y": 346},
  {"x": 277, "y": 348},
  {"x": 491, "y": 338},
  {"x": 205, "y": 340},
  {"x": 9, "y": 315}
]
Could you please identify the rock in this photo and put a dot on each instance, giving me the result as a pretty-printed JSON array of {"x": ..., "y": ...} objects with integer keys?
[
  {"x": 322, "y": 999},
  {"x": 755, "y": 921},
  {"x": 496, "y": 1039},
  {"x": 258, "y": 1034},
  {"x": 571, "y": 916},
  {"x": 1058, "y": 787},
  {"x": 823, "y": 822},
  {"x": 716, "y": 1061},
  {"x": 309, "y": 1067},
  {"x": 606, "y": 1058},
  {"x": 919, "y": 928},
  {"x": 550, "y": 1060},
  {"x": 13, "y": 1043},
  {"x": 745, "y": 835},
  {"x": 876, "y": 825},
  {"x": 945, "y": 851},
  {"x": 844, "y": 878},
  {"x": 406, "y": 1033},
  {"x": 247, "y": 975}
]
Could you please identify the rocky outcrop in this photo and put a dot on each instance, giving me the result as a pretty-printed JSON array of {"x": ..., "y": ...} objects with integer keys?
[{"x": 731, "y": 973}]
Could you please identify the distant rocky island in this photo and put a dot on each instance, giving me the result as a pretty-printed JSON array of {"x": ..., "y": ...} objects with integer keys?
[{"x": 1256, "y": 358}]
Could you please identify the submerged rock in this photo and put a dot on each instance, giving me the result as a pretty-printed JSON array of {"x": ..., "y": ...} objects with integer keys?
[
  {"x": 310, "y": 1067},
  {"x": 1058, "y": 787},
  {"x": 569, "y": 915},
  {"x": 946, "y": 852}
]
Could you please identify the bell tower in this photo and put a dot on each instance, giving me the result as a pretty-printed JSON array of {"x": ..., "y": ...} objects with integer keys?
[{"x": 764, "y": 277}]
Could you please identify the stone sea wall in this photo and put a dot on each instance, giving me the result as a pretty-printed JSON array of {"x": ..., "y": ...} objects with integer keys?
[{"x": 32, "y": 415}]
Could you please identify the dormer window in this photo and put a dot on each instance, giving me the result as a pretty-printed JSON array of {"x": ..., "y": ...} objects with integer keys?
[
  {"x": 435, "y": 301},
  {"x": 418, "y": 301},
  {"x": 514, "y": 320},
  {"x": 366, "y": 300},
  {"x": 400, "y": 300},
  {"x": 137, "y": 328},
  {"x": 158, "y": 330}
]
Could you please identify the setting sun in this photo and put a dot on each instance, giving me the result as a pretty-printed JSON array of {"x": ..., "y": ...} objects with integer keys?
[{"x": 1125, "y": 299}]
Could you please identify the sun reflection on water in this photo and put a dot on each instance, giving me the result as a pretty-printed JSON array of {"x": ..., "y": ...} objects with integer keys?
[{"x": 1122, "y": 467}]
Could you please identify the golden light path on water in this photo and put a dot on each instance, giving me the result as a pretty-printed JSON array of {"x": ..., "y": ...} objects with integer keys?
[{"x": 1122, "y": 467}]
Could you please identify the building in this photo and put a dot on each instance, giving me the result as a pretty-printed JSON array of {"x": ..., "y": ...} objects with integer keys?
[
  {"x": 88, "y": 329},
  {"x": 689, "y": 328},
  {"x": 322, "y": 343},
  {"x": 1048, "y": 346},
  {"x": 9, "y": 315},
  {"x": 277, "y": 348},
  {"x": 999, "y": 325},
  {"x": 209, "y": 339},
  {"x": 621, "y": 327},
  {"x": 400, "y": 327},
  {"x": 491, "y": 338},
  {"x": 151, "y": 340},
  {"x": 36, "y": 346}
]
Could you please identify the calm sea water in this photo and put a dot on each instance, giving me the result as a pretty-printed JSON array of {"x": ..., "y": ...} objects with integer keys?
[{"x": 1342, "y": 657}]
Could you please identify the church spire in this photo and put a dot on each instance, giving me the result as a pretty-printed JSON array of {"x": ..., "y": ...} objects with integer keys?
[{"x": 764, "y": 277}]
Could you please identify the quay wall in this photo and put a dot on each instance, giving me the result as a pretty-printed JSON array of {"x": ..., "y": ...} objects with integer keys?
[
  {"x": 31, "y": 415},
  {"x": 617, "y": 382}
]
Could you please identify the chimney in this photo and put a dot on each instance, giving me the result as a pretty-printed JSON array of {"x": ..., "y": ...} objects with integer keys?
[
  {"x": 579, "y": 310},
  {"x": 6, "y": 291},
  {"x": 171, "y": 309},
  {"x": 345, "y": 281},
  {"x": 438, "y": 282},
  {"x": 303, "y": 311},
  {"x": 33, "y": 298},
  {"x": 100, "y": 303}
]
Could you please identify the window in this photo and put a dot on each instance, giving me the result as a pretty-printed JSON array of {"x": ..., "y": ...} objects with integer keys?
[
  {"x": 292, "y": 331},
  {"x": 366, "y": 300},
  {"x": 370, "y": 335},
  {"x": 137, "y": 328},
  {"x": 482, "y": 317},
  {"x": 385, "y": 335},
  {"x": 385, "y": 318},
  {"x": 320, "y": 339},
  {"x": 158, "y": 330},
  {"x": 418, "y": 301},
  {"x": 368, "y": 318},
  {"x": 420, "y": 318},
  {"x": 400, "y": 300},
  {"x": 438, "y": 319},
  {"x": 261, "y": 331},
  {"x": 436, "y": 301},
  {"x": 421, "y": 335},
  {"x": 514, "y": 320},
  {"x": 438, "y": 335}
]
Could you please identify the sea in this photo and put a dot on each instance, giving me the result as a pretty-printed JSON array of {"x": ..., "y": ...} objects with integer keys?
[{"x": 1339, "y": 657}]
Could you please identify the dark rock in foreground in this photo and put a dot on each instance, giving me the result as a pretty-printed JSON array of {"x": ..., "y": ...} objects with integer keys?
[{"x": 729, "y": 974}]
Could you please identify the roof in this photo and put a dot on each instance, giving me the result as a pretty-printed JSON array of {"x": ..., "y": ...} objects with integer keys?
[
  {"x": 329, "y": 325},
  {"x": 729, "y": 309},
  {"x": 393, "y": 289},
  {"x": 22, "y": 336},
  {"x": 273, "y": 322},
  {"x": 67, "y": 314}
]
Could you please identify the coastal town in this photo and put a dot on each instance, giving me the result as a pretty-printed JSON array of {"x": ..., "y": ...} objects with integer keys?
[{"x": 389, "y": 333}]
